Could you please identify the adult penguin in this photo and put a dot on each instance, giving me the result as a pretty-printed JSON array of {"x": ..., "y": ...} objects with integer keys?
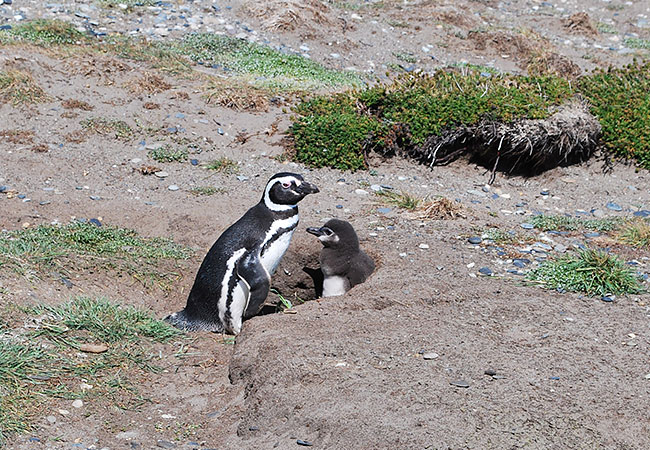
[{"x": 234, "y": 278}]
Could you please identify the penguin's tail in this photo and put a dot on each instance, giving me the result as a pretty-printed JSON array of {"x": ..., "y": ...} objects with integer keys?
[{"x": 181, "y": 321}]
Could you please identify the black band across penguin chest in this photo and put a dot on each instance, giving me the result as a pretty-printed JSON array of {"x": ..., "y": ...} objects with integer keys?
[{"x": 277, "y": 239}]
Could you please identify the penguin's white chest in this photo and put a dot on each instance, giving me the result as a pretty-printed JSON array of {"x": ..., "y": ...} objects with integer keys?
[{"x": 276, "y": 242}]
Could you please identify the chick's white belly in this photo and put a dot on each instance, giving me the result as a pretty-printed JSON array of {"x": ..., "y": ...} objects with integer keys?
[{"x": 334, "y": 286}]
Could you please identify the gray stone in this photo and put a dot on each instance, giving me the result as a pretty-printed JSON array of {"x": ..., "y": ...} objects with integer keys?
[
  {"x": 475, "y": 240},
  {"x": 460, "y": 383},
  {"x": 614, "y": 206},
  {"x": 527, "y": 226},
  {"x": 165, "y": 444},
  {"x": 173, "y": 187},
  {"x": 485, "y": 271},
  {"x": 430, "y": 355}
]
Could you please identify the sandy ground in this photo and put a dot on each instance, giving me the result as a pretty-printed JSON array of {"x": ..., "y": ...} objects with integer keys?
[{"x": 569, "y": 371}]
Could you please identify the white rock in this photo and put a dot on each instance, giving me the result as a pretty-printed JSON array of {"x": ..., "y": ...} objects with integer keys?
[
  {"x": 423, "y": 246},
  {"x": 361, "y": 192},
  {"x": 77, "y": 403},
  {"x": 173, "y": 187}
]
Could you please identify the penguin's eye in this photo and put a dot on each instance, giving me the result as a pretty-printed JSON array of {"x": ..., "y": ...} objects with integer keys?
[{"x": 286, "y": 185}]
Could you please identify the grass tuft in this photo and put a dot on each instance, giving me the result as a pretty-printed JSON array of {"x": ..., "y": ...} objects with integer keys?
[
  {"x": 566, "y": 223},
  {"x": 166, "y": 153},
  {"x": 224, "y": 165},
  {"x": 19, "y": 88},
  {"x": 402, "y": 200},
  {"x": 104, "y": 126},
  {"x": 636, "y": 233},
  {"x": 43, "y": 362},
  {"x": 593, "y": 272},
  {"x": 46, "y": 33},
  {"x": 206, "y": 190},
  {"x": 81, "y": 245}
]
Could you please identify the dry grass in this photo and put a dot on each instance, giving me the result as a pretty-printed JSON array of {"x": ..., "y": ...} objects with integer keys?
[
  {"x": 439, "y": 209},
  {"x": 151, "y": 105},
  {"x": 236, "y": 96},
  {"x": 19, "y": 88},
  {"x": 288, "y": 15},
  {"x": 148, "y": 170},
  {"x": 77, "y": 104},
  {"x": 40, "y": 148},
  {"x": 636, "y": 234},
  {"x": 149, "y": 83},
  {"x": 76, "y": 137},
  {"x": 17, "y": 136}
]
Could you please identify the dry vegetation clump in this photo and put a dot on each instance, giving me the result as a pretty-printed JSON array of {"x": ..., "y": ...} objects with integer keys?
[
  {"x": 103, "y": 67},
  {"x": 581, "y": 23},
  {"x": 288, "y": 15},
  {"x": 236, "y": 96},
  {"x": 534, "y": 52},
  {"x": 151, "y": 105},
  {"x": 17, "y": 136},
  {"x": 40, "y": 148},
  {"x": 76, "y": 137},
  {"x": 439, "y": 209},
  {"x": 18, "y": 87},
  {"x": 77, "y": 104},
  {"x": 149, "y": 83}
]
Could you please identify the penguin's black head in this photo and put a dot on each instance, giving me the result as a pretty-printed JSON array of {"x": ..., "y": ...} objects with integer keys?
[
  {"x": 336, "y": 233},
  {"x": 284, "y": 190}
]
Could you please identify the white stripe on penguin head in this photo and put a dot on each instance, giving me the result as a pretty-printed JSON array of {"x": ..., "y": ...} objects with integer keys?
[{"x": 267, "y": 199}]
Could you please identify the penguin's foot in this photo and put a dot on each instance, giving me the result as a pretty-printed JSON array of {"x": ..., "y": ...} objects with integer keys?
[{"x": 181, "y": 321}]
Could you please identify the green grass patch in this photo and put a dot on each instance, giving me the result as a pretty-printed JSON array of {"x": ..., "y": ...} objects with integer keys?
[
  {"x": 565, "y": 223},
  {"x": 42, "y": 361},
  {"x": 224, "y": 165},
  {"x": 167, "y": 153},
  {"x": 402, "y": 200},
  {"x": 45, "y": 33},
  {"x": 258, "y": 65},
  {"x": 620, "y": 100},
  {"x": 268, "y": 68},
  {"x": 338, "y": 131},
  {"x": 101, "y": 125},
  {"x": 637, "y": 43},
  {"x": 606, "y": 28},
  {"x": 206, "y": 190},
  {"x": 593, "y": 272},
  {"x": 78, "y": 246},
  {"x": 636, "y": 234},
  {"x": 19, "y": 88}
]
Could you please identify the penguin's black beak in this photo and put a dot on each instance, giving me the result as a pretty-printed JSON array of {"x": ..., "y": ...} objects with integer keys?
[
  {"x": 315, "y": 231},
  {"x": 308, "y": 188}
]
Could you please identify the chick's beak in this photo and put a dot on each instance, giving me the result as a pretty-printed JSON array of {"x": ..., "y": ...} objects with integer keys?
[{"x": 315, "y": 231}]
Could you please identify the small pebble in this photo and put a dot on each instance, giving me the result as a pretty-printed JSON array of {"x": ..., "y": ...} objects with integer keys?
[
  {"x": 95, "y": 222},
  {"x": 608, "y": 298},
  {"x": 161, "y": 174},
  {"x": 460, "y": 383},
  {"x": 77, "y": 404},
  {"x": 95, "y": 197},
  {"x": 423, "y": 246},
  {"x": 643, "y": 213},
  {"x": 383, "y": 210},
  {"x": 165, "y": 444},
  {"x": 173, "y": 187},
  {"x": 430, "y": 355},
  {"x": 490, "y": 372},
  {"x": 360, "y": 192},
  {"x": 527, "y": 226},
  {"x": 242, "y": 178},
  {"x": 304, "y": 443},
  {"x": 339, "y": 206},
  {"x": 253, "y": 428},
  {"x": 194, "y": 162},
  {"x": 485, "y": 271},
  {"x": 51, "y": 419},
  {"x": 614, "y": 206},
  {"x": 553, "y": 378},
  {"x": 475, "y": 240}
]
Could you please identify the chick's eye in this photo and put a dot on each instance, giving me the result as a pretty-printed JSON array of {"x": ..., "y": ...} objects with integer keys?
[{"x": 286, "y": 185}]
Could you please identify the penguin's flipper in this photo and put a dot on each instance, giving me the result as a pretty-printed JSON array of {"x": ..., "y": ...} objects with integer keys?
[{"x": 254, "y": 275}]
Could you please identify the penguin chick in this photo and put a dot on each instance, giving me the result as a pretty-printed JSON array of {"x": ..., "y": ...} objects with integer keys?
[
  {"x": 342, "y": 261},
  {"x": 234, "y": 278}
]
